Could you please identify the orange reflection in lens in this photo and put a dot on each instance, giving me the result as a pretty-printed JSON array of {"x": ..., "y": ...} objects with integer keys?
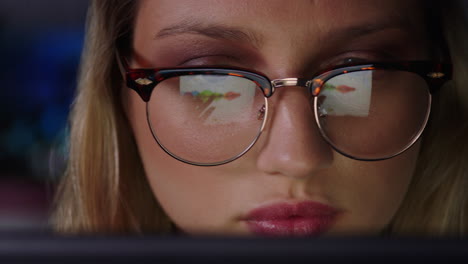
[{"x": 235, "y": 74}]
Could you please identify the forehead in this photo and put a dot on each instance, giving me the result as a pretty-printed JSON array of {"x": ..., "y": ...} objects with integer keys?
[{"x": 278, "y": 16}]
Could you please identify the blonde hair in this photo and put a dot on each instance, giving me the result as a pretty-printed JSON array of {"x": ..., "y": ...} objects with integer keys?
[
  {"x": 437, "y": 200},
  {"x": 105, "y": 188}
]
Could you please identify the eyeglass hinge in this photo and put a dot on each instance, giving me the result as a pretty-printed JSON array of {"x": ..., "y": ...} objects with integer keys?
[
  {"x": 435, "y": 75},
  {"x": 143, "y": 81}
]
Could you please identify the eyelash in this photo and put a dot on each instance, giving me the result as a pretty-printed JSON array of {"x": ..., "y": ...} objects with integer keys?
[
  {"x": 346, "y": 58},
  {"x": 355, "y": 57}
]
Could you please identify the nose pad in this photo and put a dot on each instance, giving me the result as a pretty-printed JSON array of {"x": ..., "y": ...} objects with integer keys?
[
  {"x": 293, "y": 145},
  {"x": 261, "y": 113}
]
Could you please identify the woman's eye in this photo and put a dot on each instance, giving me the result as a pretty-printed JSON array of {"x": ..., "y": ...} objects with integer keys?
[{"x": 354, "y": 60}]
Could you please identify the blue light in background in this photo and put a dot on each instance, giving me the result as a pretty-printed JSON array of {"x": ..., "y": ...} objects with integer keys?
[{"x": 40, "y": 78}]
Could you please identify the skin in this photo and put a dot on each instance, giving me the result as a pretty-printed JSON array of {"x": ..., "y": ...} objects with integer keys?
[{"x": 291, "y": 162}]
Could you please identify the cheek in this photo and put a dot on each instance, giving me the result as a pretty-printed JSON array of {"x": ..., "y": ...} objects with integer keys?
[
  {"x": 195, "y": 198},
  {"x": 372, "y": 192}
]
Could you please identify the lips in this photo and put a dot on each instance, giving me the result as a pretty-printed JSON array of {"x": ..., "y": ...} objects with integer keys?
[{"x": 286, "y": 219}]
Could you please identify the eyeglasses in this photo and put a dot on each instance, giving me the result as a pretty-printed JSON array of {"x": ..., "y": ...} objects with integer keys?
[{"x": 212, "y": 116}]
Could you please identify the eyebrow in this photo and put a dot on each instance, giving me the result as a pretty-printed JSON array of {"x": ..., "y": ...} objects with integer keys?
[
  {"x": 213, "y": 31},
  {"x": 224, "y": 32},
  {"x": 354, "y": 31}
]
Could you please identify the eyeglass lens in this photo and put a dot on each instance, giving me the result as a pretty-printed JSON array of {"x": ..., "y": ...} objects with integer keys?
[
  {"x": 207, "y": 119},
  {"x": 373, "y": 114}
]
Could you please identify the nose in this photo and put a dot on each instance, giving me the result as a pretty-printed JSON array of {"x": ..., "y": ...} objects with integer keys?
[{"x": 293, "y": 145}]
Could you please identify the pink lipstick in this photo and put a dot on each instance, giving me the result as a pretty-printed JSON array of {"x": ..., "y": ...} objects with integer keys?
[{"x": 297, "y": 219}]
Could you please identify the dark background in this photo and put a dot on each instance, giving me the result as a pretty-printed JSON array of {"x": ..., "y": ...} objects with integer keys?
[{"x": 40, "y": 46}]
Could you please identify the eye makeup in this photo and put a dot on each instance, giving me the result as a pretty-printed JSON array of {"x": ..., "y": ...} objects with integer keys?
[
  {"x": 188, "y": 50},
  {"x": 386, "y": 45}
]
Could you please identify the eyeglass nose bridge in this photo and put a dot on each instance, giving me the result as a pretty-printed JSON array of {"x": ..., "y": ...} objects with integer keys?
[{"x": 313, "y": 86}]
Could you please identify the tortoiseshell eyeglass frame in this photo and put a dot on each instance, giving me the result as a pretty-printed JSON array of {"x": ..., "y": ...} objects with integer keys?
[{"x": 143, "y": 81}]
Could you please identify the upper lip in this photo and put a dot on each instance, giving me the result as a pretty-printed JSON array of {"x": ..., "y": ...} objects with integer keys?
[{"x": 287, "y": 210}]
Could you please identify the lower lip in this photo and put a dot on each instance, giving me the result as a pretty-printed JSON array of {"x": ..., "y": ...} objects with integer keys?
[{"x": 303, "y": 219}]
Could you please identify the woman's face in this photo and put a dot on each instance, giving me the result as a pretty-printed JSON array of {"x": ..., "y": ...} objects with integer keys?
[{"x": 290, "y": 182}]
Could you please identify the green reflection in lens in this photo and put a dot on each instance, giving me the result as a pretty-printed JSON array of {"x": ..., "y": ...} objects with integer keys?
[{"x": 207, "y": 95}]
